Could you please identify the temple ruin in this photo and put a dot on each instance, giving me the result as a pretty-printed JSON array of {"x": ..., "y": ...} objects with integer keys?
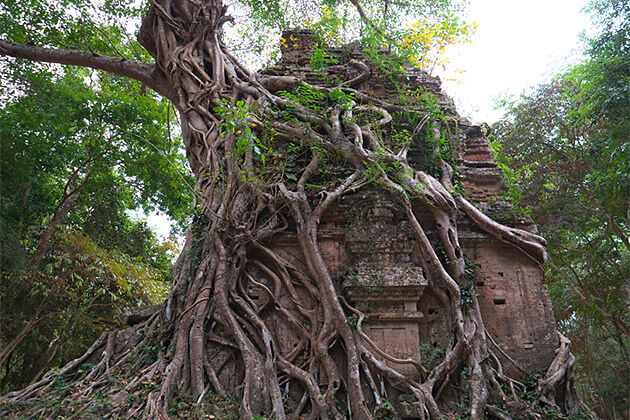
[{"x": 369, "y": 247}]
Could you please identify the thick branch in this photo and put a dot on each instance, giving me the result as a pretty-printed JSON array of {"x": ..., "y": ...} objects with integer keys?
[
  {"x": 143, "y": 72},
  {"x": 532, "y": 245}
]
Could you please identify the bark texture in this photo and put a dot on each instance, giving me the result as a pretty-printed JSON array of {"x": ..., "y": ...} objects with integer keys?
[{"x": 211, "y": 335}]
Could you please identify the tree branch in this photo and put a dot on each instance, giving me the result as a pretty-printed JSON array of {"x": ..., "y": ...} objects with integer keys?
[
  {"x": 365, "y": 17},
  {"x": 143, "y": 72}
]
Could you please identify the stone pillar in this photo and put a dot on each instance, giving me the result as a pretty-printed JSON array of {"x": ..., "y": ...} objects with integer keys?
[{"x": 385, "y": 284}]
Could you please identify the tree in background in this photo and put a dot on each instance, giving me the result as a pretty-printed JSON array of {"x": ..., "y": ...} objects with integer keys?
[
  {"x": 271, "y": 154},
  {"x": 78, "y": 152},
  {"x": 568, "y": 152}
]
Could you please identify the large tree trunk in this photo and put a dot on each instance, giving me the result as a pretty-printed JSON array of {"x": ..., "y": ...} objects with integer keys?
[{"x": 211, "y": 335}]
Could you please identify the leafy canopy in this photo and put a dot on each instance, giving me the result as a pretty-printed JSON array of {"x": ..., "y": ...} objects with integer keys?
[
  {"x": 415, "y": 31},
  {"x": 79, "y": 150},
  {"x": 567, "y": 145}
]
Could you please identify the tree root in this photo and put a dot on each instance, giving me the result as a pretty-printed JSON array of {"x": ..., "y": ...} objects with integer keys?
[{"x": 238, "y": 301}]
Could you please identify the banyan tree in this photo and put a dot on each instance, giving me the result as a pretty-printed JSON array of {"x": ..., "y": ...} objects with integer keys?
[{"x": 334, "y": 177}]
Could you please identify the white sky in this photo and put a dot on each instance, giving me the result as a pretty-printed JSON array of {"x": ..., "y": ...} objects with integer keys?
[{"x": 518, "y": 45}]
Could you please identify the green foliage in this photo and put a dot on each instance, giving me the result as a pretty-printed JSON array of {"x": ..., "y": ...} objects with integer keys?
[
  {"x": 424, "y": 42},
  {"x": 431, "y": 356},
  {"x": 414, "y": 31},
  {"x": 62, "y": 308},
  {"x": 341, "y": 98},
  {"x": 74, "y": 24},
  {"x": 320, "y": 59},
  {"x": 513, "y": 176},
  {"x": 237, "y": 120},
  {"x": 577, "y": 414},
  {"x": 385, "y": 411},
  {"x": 468, "y": 286},
  {"x": 109, "y": 131},
  {"x": 184, "y": 406},
  {"x": 530, "y": 394},
  {"x": 567, "y": 158},
  {"x": 307, "y": 96},
  {"x": 80, "y": 150}
]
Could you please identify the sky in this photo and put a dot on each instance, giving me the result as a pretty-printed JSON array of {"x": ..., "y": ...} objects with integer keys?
[{"x": 518, "y": 45}]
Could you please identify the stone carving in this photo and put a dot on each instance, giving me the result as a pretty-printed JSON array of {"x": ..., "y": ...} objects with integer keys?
[{"x": 385, "y": 282}]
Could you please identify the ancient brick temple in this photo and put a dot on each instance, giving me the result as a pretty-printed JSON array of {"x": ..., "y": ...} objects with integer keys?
[{"x": 369, "y": 247}]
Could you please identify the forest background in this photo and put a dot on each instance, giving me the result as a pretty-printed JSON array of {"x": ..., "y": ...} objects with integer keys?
[{"x": 81, "y": 149}]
